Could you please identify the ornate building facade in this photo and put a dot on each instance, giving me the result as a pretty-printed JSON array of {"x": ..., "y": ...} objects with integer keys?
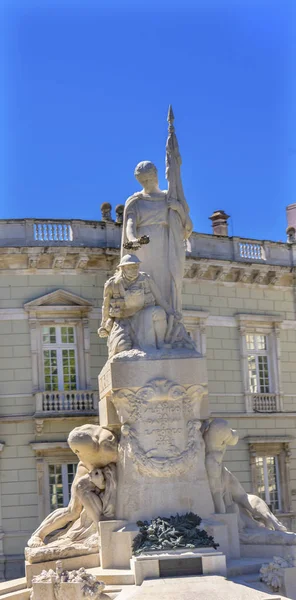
[{"x": 239, "y": 307}]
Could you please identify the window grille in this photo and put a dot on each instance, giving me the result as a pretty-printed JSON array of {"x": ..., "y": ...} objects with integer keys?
[
  {"x": 268, "y": 481},
  {"x": 59, "y": 358},
  {"x": 258, "y": 363},
  {"x": 61, "y": 477}
]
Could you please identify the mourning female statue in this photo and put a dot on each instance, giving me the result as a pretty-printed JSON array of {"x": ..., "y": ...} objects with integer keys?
[
  {"x": 256, "y": 523},
  {"x": 160, "y": 218},
  {"x": 73, "y": 530}
]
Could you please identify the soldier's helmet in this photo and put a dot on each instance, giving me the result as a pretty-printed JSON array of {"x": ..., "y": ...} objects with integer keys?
[{"x": 129, "y": 259}]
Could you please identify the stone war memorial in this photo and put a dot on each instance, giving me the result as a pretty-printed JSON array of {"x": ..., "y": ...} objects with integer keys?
[{"x": 153, "y": 511}]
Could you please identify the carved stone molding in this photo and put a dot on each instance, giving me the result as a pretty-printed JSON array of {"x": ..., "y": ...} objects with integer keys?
[
  {"x": 223, "y": 271},
  {"x": 39, "y": 424},
  {"x": 58, "y": 261},
  {"x": 82, "y": 261}
]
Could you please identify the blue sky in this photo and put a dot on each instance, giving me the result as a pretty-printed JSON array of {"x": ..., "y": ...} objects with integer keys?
[{"x": 85, "y": 90}]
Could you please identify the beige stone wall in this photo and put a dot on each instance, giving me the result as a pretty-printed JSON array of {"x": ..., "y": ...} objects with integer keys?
[
  {"x": 226, "y": 390},
  {"x": 223, "y": 301},
  {"x": 19, "y": 497}
]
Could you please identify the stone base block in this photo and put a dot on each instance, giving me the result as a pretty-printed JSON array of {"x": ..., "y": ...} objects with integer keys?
[
  {"x": 44, "y": 590},
  {"x": 67, "y": 591},
  {"x": 289, "y": 583},
  {"x": 87, "y": 561},
  {"x": 224, "y": 529},
  {"x": 267, "y": 550},
  {"x": 135, "y": 374},
  {"x": 116, "y": 543},
  {"x": 200, "y": 561}
]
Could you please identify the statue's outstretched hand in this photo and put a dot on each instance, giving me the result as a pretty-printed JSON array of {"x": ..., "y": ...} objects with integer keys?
[{"x": 102, "y": 332}]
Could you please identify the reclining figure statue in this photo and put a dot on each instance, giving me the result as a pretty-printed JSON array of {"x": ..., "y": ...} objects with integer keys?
[
  {"x": 93, "y": 493},
  {"x": 257, "y": 524}
]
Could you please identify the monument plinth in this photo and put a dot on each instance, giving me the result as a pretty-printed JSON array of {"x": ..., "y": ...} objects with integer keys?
[{"x": 159, "y": 405}]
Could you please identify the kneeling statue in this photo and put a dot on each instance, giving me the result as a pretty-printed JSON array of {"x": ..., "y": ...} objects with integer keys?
[{"x": 134, "y": 314}]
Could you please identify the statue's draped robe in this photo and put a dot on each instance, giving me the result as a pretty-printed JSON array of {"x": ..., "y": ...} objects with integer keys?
[{"x": 164, "y": 257}]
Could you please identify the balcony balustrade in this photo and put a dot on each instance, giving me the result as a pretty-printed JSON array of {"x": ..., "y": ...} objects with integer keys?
[
  {"x": 264, "y": 403},
  {"x": 251, "y": 251},
  {"x": 46, "y": 231},
  {"x": 74, "y": 402}
]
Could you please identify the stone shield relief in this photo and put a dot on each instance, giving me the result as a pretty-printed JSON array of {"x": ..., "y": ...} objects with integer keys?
[{"x": 160, "y": 429}]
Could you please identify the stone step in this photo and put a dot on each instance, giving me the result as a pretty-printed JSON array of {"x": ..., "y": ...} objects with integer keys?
[
  {"x": 23, "y": 594},
  {"x": 113, "y": 576},
  {"x": 241, "y": 566},
  {"x": 114, "y": 590},
  {"x": 252, "y": 580},
  {"x": 12, "y": 585}
]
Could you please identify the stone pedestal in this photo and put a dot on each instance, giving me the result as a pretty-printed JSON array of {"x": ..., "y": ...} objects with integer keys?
[
  {"x": 200, "y": 561},
  {"x": 88, "y": 561},
  {"x": 224, "y": 529},
  {"x": 159, "y": 404},
  {"x": 116, "y": 543},
  {"x": 289, "y": 582}
]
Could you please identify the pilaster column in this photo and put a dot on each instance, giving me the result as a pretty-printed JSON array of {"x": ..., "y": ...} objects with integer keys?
[
  {"x": 277, "y": 366},
  {"x": 252, "y": 451},
  {"x": 86, "y": 338},
  {"x": 244, "y": 366}
]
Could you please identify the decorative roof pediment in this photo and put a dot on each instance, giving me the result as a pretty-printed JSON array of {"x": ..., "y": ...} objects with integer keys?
[{"x": 59, "y": 299}]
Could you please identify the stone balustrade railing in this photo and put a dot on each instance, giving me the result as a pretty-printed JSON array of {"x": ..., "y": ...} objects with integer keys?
[
  {"x": 53, "y": 232},
  {"x": 47, "y": 231},
  {"x": 242, "y": 250},
  {"x": 264, "y": 402},
  {"x": 107, "y": 234},
  {"x": 72, "y": 402}
]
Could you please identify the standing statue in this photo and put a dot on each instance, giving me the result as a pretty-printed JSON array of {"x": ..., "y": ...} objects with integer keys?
[
  {"x": 156, "y": 223},
  {"x": 134, "y": 314},
  {"x": 93, "y": 497}
]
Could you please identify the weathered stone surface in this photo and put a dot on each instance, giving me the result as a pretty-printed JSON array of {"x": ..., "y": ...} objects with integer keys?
[
  {"x": 190, "y": 588},
  {"x": 161, "y": 468}
]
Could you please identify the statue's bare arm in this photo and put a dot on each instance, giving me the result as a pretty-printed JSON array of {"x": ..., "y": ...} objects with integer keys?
[
  {"x": 131, "y": 229},
  {"x": 62, "y": 516},
  {"x": 105, "y": 307}
]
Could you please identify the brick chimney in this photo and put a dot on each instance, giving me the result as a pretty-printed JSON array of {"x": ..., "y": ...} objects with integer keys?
[
  {"x": 291, "y": 220},
  {"x": 219, "y": 222},
  {"x": 106, "y": 211}
]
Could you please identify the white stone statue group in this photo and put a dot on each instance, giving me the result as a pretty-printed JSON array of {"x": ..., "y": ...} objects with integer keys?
[
  {"x": 93, "y": 496},
  {"x": 142, "y": 309},
  {"x": 142, "y": 314}
]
